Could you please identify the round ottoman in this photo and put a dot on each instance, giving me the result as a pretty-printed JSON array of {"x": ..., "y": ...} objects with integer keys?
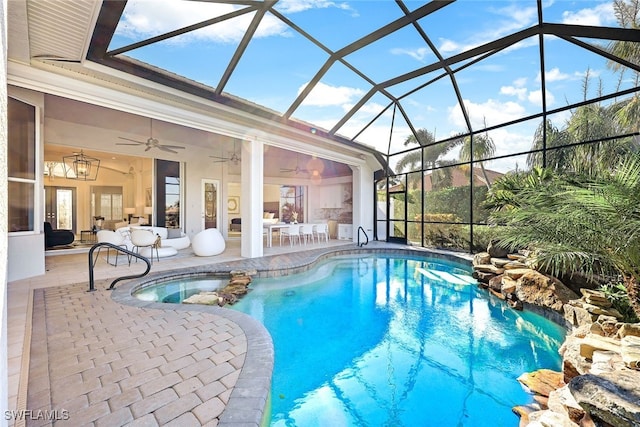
[
  {"x": 208, "y": 242},
  {"x": 163, "y": 251}
]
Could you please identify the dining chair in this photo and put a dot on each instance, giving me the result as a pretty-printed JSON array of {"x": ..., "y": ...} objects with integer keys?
[
  {"x": 292, "y": 232},
  {"x": 321, "y": 229},
  {"x": 306, "y": 232}
]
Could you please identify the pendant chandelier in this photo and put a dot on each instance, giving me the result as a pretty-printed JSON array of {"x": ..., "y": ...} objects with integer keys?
[{"x": 81, "y": 167}]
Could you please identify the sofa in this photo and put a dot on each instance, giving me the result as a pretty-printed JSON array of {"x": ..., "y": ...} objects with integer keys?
[
  {"x": 169, "y": 237},
  {"x": 57, "y": 237}
]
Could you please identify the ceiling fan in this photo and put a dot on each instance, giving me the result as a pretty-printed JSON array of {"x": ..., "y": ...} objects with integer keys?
[
  {"x": 297, "y": 169},
  {"x": 151, "y": 143},
  {"x": 130, "y": 173},
  {"x": 234, "y": 158}
]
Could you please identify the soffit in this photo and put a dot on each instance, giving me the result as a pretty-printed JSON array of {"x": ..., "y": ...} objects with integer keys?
[{"x": 60, "y": 29}]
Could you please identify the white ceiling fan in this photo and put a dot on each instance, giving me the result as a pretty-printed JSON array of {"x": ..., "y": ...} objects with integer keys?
[
  {"x": 234, "y": 158},
  {"x": 297, "y": 169},
  {"x": 130, "y": 173},
  {"x": 151, "y": 142}
]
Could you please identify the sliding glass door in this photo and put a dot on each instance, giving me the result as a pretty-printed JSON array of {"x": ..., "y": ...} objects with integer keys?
[{"x": 60, "y": 207}]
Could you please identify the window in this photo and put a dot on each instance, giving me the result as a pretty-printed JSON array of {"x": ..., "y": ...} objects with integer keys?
[
  {"x": 107, "y": 202},
  {"x": 292, "y": 200},
  {"x": 168, "y": 193},
  {"x": 21, "y": 165}
]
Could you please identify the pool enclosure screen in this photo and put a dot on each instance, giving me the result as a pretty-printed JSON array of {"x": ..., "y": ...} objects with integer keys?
[{"x": 450, "y": 96}]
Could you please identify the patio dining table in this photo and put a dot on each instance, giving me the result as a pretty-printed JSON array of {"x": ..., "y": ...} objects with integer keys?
[{"x": 269, "y": 229}]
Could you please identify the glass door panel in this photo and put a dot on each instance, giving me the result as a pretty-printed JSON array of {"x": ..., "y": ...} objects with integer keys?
[
  {"x": 60, "y": 207},
  {"x": 210, "y": 203}
]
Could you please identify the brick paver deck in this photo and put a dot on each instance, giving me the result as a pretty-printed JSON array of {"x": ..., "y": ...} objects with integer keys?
[
  {"x": 105, "y": 358},
  {"x": 97, "y": 362}
]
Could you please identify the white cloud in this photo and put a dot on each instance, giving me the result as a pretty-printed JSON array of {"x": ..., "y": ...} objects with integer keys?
[
  {"x": 600, "y": 15},
  {"x": 554, "y": 75},
  {"x": 510, "y": 18},
  {"x": 520, "y": 82},
  {"x": 535, "y": 97},
  {"x": 141, "y": 20},
  {"x": 295, "y": 6},
  {"x": 418, "y": 54},
  {"x": 491, "y": 111},
  {"x": 324, "y": 95},
  {"x": 519, "y": 92}
]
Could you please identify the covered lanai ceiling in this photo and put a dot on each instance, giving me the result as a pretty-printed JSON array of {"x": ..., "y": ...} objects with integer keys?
[{"x": 360, "y": 72}]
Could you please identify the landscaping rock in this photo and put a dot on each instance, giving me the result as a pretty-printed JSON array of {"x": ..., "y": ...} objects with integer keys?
[
  {"x": 517, "y": 257},
  {"x": 577, "y": 316},
  {"x": 523, "y": 411},
  {"x": 630, "y": 352},
  {"x": 629, "y": 329},
  {"x": 508, "y": 285},
  {"x": 563, "y": 402},
  {"x": 513, "y": 265},
  {"x": 482, "y": 276},
  {"x": 495, "y": 251},
  {"x": 500, "y": 262},
  {"x": 610, "y": 398},
  {"x": 544, "y": 291},
  {"x": 593, "y": 342},
  {"x": 605, "y": 361},
  {"x": 517, "y": 273},
  {"x": 481, "y": 258},
  {"x": 489, "y": 268},
  {"x": 205, "y": 298},
  {"x": 542, "y": 381},
  {"x": 495, "y": 283},
  {"x": 549, "y": 419}
]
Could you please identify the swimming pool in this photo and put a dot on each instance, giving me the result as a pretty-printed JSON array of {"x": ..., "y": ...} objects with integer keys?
[{"x": 385, "y": 340}]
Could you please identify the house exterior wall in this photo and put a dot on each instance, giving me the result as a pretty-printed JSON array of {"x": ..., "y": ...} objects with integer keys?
[{"x": 4, "y": 374}]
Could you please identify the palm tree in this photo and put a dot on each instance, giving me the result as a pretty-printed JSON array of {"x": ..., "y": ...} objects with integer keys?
[
  {"x": 483, "y": 148},
  {"x": 627, "y": 14},
  {"x": 429, "y": 157},
  {"x": 589, "y": 225},
  {"x": 555, "y": 159},
  {"x": 592, "y": 124}
]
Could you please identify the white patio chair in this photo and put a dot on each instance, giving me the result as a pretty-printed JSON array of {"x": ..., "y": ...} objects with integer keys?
[
  {"x": 108, "y": 236},
  {"x": 144, "y": 239},
  {"x": 321, "y": 229},
  {"x": 292, "y": 232},
  {"x": 306, "y": 232}
]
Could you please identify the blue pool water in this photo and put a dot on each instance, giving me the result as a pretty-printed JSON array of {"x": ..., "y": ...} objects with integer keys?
[{"x": 386, "y": 341}]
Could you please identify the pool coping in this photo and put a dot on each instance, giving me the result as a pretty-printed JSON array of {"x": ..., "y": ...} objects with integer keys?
[{"x": 248, "y": 402}]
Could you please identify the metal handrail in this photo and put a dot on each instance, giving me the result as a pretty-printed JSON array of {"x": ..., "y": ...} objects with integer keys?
[
  {"x": 365, "y": 235},
  {"x": 121, "y": 249}
]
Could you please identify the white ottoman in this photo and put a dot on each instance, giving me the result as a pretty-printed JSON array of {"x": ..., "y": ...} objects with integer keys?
[
  {"x": 163, "y": 252},
  {"x": 208, "y": 242}
]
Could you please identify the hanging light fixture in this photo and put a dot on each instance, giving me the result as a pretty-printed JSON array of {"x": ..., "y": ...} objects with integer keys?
[{"x": 81, "y": 167}]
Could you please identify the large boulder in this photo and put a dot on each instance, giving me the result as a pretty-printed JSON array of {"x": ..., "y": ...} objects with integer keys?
[
  {"x": 542, "y": 381},
  {"x": 495, "y": 251},
  {"x": 610, "y": 398},
  {"x": 544, "y": 291},
  {"x": 562, "y": 402},
  {"x": 481, "y": 258}
]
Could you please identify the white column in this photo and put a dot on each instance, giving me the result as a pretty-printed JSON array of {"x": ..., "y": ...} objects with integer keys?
[
  {"x": 251, "y": 198},
  {"x": 363, "y": 204}
]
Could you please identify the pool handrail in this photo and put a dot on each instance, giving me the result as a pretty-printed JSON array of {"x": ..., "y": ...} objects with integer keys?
[
  {"x": 365, "y": 235},
  {"x": 121, "y": 249}
]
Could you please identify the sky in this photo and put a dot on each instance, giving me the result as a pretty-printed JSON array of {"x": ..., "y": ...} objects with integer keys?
[{"x": 279, "y": 62}]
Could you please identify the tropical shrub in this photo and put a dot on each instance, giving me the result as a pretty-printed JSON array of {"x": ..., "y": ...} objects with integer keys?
[{"x": 576, "y": 223}]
